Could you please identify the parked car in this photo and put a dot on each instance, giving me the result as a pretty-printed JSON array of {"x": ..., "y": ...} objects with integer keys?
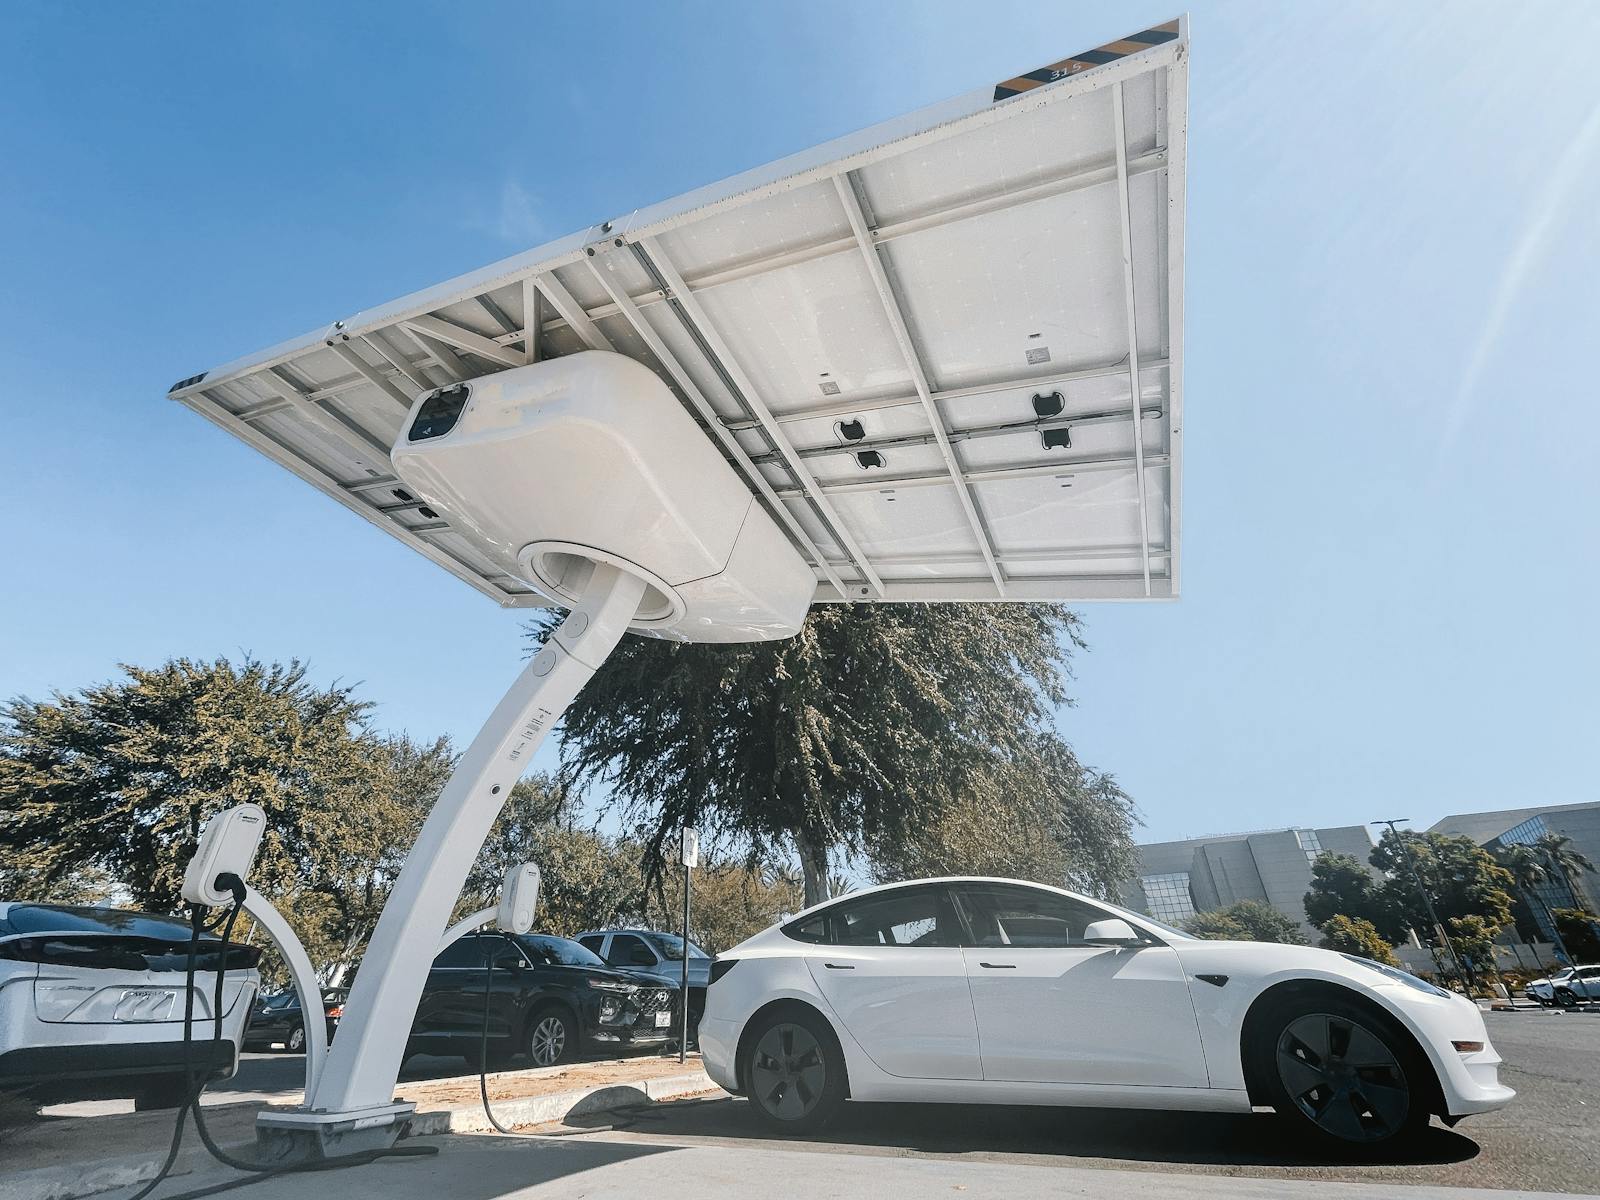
[
  {"x": 92, "y": 1004},
  {"x": 1581, "y": 985},
  {"x": 1544, "y": 990},
  {"x": 549, "y": 998},
  {"x": 655, "y": 953},
  {"x": 277, "y": 1020},
  {"x": 994, "y": 991}
]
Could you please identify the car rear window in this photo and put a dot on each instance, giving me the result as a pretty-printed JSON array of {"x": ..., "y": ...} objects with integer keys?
[{"x": 57, "y": 918}]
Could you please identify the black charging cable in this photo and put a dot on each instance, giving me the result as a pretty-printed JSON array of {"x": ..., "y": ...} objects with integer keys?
[{"x": 194, "y": 1085}]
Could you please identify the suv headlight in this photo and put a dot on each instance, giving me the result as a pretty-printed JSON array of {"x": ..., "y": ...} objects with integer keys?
[{"x": 607, "y": 985}]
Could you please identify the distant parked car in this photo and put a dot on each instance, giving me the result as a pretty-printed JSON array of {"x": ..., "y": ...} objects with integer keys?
[
  {"x": 656, "y": 953},
  {"x": 549, "y": 998},
  {"x": 1580, "y": 986},
  {"x": 277, "y": 1020},
  {"x": 92, "y": 1003},
  {"x": 1544, "y": 990}
]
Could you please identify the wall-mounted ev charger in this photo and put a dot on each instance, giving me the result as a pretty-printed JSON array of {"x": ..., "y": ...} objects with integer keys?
[
  {"x": 228, "y": 845},
  {"x": 519, "y": 898}
]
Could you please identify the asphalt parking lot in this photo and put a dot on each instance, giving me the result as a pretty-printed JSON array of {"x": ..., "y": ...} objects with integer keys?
[{"x": 1548, "y": 1140}]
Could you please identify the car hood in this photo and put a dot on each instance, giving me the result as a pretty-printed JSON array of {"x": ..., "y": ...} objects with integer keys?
[{"x": 631, "y": 975}]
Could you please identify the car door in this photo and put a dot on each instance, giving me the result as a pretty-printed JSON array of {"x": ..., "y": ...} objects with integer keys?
[
  {"x": 889, "y": 964},
  {"x": 453, "y": 1000},
  {"x": 1052, "y": 1008}
]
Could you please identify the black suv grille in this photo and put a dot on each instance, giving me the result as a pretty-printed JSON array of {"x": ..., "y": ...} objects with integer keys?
[{"x": 652, "y": 1000}]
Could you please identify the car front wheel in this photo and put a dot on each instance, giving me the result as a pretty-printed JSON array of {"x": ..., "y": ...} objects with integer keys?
[
  {"x": 295, "y": 1042},
  {"x": 793, "y": 1072},
  {"x": 1566, "y": 998},
  {"x": 552, "y": 1037},
  {"x": 1343, "y": 1073}
]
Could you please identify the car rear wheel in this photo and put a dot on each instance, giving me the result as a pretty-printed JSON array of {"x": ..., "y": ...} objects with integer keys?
[
  {"x": 1343, "y": 1073},
  {"x": 295, "y": 1041},
  {"x": 552, "y": 1037},
  {"x": 793, "y": 1072}
]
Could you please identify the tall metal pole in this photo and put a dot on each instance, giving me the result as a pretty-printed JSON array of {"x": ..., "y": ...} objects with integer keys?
[
  {"x": 683, "y": 1030},
  {"x": 1416, "y": 878}
]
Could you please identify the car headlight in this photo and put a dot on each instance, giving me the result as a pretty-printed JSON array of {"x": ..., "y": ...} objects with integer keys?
[
  {"x": 610, "y": 1010},
  {"x": 606, "y": 985},
  {"x": 1399, "y": 976}
]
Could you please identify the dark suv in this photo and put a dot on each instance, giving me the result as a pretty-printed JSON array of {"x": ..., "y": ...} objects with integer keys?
[{"x": 549, "y": 998}]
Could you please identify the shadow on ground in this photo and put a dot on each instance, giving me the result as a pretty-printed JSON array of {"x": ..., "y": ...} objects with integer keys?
[{"x": 1127, "y": 1136}]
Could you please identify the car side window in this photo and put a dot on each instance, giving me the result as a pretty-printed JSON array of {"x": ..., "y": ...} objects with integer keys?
[
  {"x": 629, "y": 951},
  {"x": 468, "y": 952},
  {"x": 1022, "y": 917},
  {"x": 592, "y": 941},
  {"x": 920, "y": 916}
]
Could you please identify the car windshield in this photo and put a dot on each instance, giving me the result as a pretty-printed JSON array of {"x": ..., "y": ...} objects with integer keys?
[
  {"x": 670, "y": 945},
  {"x": 281, "y": 1000},
  {"x": 560, "y": 951}
]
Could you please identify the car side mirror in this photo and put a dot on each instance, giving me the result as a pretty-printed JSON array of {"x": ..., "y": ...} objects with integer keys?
[{"x": 1113, "y": 931}]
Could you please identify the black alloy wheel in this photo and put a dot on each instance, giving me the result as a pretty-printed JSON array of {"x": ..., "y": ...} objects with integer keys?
[
  {"x": 1343, "y": 1074},
  {"x": 794, "y": 1072}
]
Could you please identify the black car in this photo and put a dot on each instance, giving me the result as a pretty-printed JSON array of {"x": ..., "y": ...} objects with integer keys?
[
  {"x": 549, "y": 998},
  {"x": 276, "y": 1020}
]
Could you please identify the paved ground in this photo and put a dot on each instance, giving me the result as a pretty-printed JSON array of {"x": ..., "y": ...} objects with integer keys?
[{"x": 1548, "y": 1141}]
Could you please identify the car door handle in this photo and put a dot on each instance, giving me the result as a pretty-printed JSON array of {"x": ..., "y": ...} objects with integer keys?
[
  {"x": 999, "y": 966},
  {"x": 838, "y": 966}
]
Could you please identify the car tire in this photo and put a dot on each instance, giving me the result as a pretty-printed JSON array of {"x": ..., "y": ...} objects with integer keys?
[
  {"x": 1343, "y": 1073},
  {"x": 161, "y": 1094},
  {"x": 552, "y": 1036},
  {"x": 294, "y": 1042},
  {"x": 793, "y": 1072},
  {"x": 1566, "y": 998}
]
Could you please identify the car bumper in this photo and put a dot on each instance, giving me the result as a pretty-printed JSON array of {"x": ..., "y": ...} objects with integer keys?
[
  {"x": 29, "y": 1066},
  {"x": 719, "y": 1042}
]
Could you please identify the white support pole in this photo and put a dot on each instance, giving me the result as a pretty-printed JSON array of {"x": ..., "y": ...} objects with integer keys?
[
  {"x": 305, "y": 980},
  {"x": 465, "y": 926},
  {"x": 365, "y": 1060}
]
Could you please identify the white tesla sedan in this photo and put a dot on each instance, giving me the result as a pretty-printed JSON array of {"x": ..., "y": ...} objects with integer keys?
[{"x": 996, "y": 991}]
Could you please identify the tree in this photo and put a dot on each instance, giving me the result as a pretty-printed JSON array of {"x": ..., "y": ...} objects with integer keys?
[
  {"x": 1462, "y": 879},
  {"x": 852, "y": 736},
  {"x": 1342, "y": 886},
  {"x": 134, "y": 767},
  {"x": 1528, "y": 870},
  {"x": 1355, "y": 935},
  {"x": 1067, "y": 825},
  {"x": 1580, "y": 933},
  {"x": 1246, "y": 921},
  {"x": 1567, "y": 862}
]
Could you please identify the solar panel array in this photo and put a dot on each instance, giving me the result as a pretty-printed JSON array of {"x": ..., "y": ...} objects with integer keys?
[{"x": 945, "y": 352}]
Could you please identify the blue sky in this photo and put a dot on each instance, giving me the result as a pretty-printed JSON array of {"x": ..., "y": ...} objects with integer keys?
[{"x": 1390, "y": 500}]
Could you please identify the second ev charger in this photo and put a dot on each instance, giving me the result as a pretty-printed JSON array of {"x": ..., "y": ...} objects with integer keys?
[
  {"x": 228, "y": 845},
  {"x": 519, "y": 901}
]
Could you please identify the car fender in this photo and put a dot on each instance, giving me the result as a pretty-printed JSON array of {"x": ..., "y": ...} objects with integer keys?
[{"x": 1252, "y": 969}]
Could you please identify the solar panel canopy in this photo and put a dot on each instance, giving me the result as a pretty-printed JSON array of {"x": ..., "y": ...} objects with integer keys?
[{"x": 945, "y": 352}]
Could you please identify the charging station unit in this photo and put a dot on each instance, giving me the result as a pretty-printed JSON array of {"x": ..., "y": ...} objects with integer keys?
[{"x": 936, "y": 360}]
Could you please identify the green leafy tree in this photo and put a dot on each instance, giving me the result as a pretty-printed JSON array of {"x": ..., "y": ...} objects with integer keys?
[
  {"x": 1462, "y": 879},
  {"x": 131, "y": 769},
  {"x": 1341, "y": 885},
  {"x": 1473, "y": 938},
  {"x": 1355, "y": 935},
  {"x": 852, "y": 736},
  {"x": 1580, "y": 932},
  {"x": 1568, "y": 862},
  {"x": 1528, "y": 871},
  {"x": 1064, "y": 824},
  {"x": 1246, "y": 921}
]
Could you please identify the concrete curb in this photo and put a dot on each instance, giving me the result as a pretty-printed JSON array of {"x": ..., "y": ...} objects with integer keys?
[
  {"x": 87, "y": 1179},
  {"x": 537, "y": 1110}
]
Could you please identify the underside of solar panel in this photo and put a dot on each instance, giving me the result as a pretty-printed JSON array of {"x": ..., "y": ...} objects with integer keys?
[{"x": 944, "y": 353}]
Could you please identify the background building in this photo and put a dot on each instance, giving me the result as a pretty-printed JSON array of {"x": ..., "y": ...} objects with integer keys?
[
  {"x": 1525, "y": 826},
  {"x": 1178, "y": 879}
]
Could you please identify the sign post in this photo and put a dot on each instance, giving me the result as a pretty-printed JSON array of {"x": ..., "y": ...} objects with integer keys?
[{"x": 691, "y": 859}]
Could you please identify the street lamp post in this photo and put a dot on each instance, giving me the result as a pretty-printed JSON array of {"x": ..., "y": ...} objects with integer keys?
[{"x": 1427, "y": 900}]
